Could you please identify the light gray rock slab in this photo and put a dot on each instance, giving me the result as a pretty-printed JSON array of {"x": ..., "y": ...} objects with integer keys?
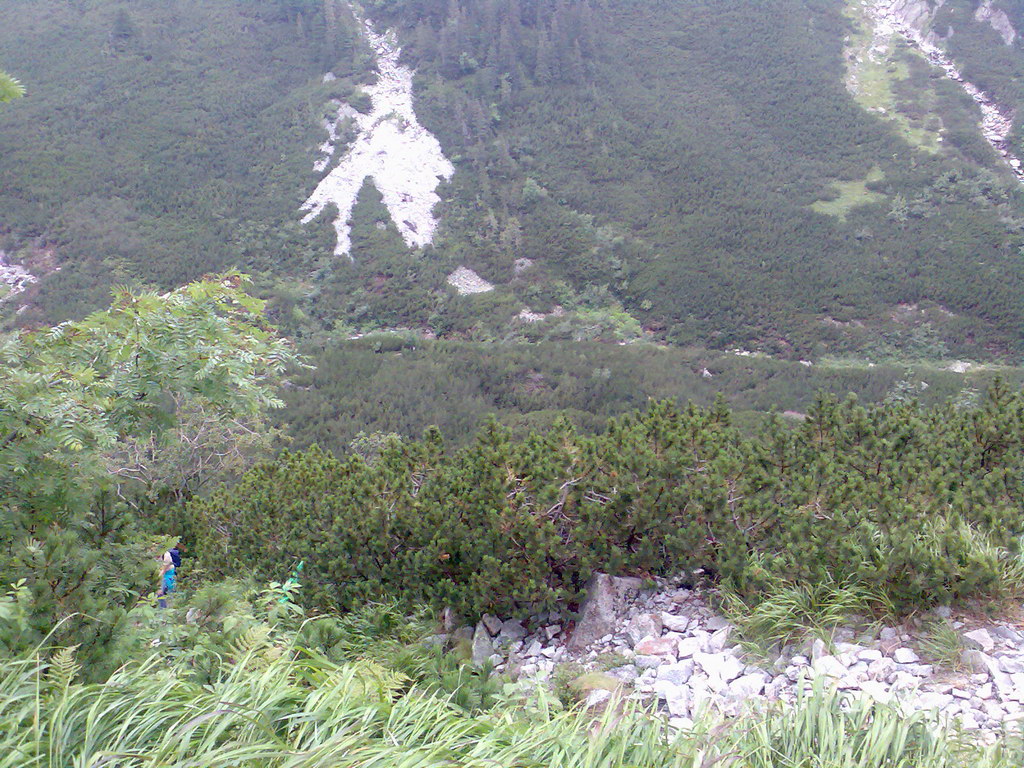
[
  {"x": 675, "y": 623},
  {"x": 493, "y": 624},
  {"x": 678, "y": 673},
  {"x": 748, "y": 685},
  {"x": 649, "y": 662},
  {"x": 979, "y": 639},
  {"x": 719, "y": 667},
  {"x": 718, "y": 641},
  {"x": 905, "y": 656},
  {"x": 829, "y": 666},
  {"x": 716, "y": 623},
  {"x": 483, "y": 648},
  {"x": 512, "y": 630},
  {"x": 689, "y": 646},
  {"x": 657, "y": 646},
  {"x": 870, "y": 655},
  {"x": 978, "y": 662},
  {"x": 1008, "y": 634},
  {"x": 643, "y": 625},
  {"x": 1010, "y": 664},
  {"x": 818, "y": 649},
  {"x": 599, "y": 614}
]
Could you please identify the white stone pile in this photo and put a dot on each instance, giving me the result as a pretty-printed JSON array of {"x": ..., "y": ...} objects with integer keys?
[
  {"x": 668, "y": 645},
  {"x": 467, "y": 282},
  {"x": 15, "y": 277}
]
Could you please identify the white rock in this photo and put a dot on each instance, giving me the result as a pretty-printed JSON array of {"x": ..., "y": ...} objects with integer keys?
[
  {"x": 679, "y": 701},
  {"x": 829, "y": 666},
  {"x": 876, "y": 691},
  {"x": 468, "y": 282},
  {"x": 979, "y": 639},
  {"x": 649, "y": 662},
  {"x": 717, "y": 642},
  {"x": 716, "y": 623},
  {"x": 937, "y": 701},
  {"x": 905, "y": 656},
  {"x": 818, "y": 649},
  {"x": 678, "y": 673},
  {"x": 688, "y": 646},
  {"x": 870, "y": 655},
  {"x": 720, "y": 668},
  {"x": 748, "y": 685},
  {"x": 643, "y": 625},
  {"x": 675, "y": 623}
]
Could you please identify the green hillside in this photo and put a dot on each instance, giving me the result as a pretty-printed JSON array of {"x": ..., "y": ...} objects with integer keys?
[{"x": 699, "y": 167}]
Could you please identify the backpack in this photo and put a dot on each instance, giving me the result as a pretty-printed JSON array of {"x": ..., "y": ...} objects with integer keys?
[{"x": 175, "y": 557}]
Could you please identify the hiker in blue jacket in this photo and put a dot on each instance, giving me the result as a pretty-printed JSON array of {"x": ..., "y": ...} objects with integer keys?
[{"x": 168, "y": 579}]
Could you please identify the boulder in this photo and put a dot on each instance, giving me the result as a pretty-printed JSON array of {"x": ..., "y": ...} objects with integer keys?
[
  {"x": 483, "y": 648},
  {"x": 512, "y": 630},
  {"x": 605, "y": 598},
  {"x": 493, "y": 625},
  {"x": 905, "y": 656},
  {"x": 748, "y": 685},
  {"x": 656, "y": 646},
  {"x": 980, "y": 640},
  {"x": 674, "y": 623},
  {"x": 676, "y": 674},
  {"x": 644, "y": 625}
]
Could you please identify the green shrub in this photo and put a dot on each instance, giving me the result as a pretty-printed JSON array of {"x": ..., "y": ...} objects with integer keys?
[{"x": 913, "y": 507}]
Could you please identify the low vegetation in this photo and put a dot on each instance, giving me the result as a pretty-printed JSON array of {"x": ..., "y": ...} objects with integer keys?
[{"x": 276, "y": 696}]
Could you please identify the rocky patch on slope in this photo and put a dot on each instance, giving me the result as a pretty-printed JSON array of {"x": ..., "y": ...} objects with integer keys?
[
  {"x": 14, "y": 278},
  {"x": 912, "y": 20},
  {"x": 668, "y": 646}
]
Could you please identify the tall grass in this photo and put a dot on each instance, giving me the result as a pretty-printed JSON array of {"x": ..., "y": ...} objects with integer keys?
[
  {"x": 789, "y": 612},
  {"x": 289, "y": 711}
]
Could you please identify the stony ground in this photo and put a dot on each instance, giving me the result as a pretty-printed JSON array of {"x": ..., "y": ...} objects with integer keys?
[{"x": 668, "y": 645}]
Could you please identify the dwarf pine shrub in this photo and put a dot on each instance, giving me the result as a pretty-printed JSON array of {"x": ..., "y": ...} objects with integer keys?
[{"x": 919, "y": 507}]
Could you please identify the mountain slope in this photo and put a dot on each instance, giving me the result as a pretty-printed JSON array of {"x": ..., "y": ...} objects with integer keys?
[{"x": 697, "y": 168}]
